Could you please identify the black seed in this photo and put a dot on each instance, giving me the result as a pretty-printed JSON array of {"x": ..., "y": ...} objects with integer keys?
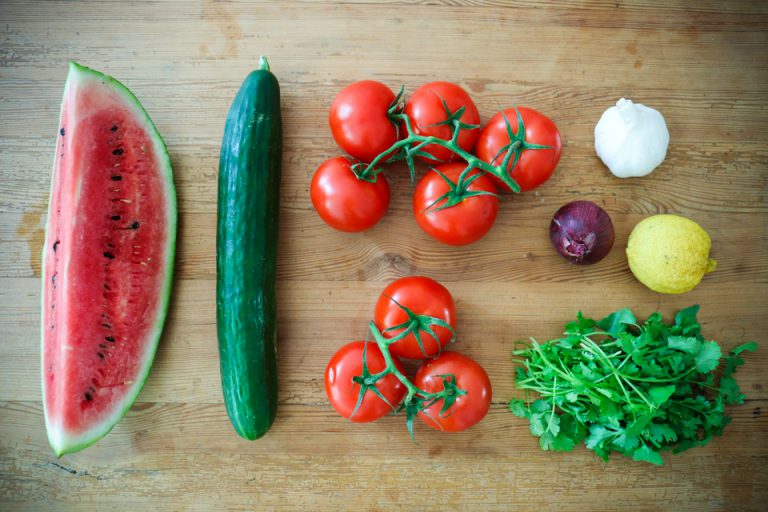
[
  {"x": 110, "y": 339},
  {"x": 115, "y": 217},
  {"x": 102, "y": 345},
  {"x": 106, "y": 287},
  {"x": 106, "y": 326},
  {"x": 55, "y": 245},
  {"x": 61, "y": 132},
  {"x": 88, "y": 397},
  {"x": 53, "y": 279},
  {"x": 116, "y": 178},
  {"x": 135, "y": 225},
  {"x": 113, "y": 129},
  {"x": 109, "y": 255},
  {"x": 101, "y": 356},
  {"x": 118, "y": 152}
]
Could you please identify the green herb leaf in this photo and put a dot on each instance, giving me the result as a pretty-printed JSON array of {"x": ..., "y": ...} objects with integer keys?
[
  {"x": 580, "y": 326},
  {"x": 661, "y": 394},
  {"x": 708, "y": 357},
  {"x": 617, "y": 322},
  {"x": 518, "y": 408},
  {"x": 686, "y": 323},
  {"x": 646, "y": 454},
  {"x": 748, "y": 347},
  {"x": 660, "y": 434},
  {"x": 684, "y": 344}
]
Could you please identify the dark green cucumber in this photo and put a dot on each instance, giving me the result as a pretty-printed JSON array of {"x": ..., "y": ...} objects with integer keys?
[{"x": 246, "y": 253}]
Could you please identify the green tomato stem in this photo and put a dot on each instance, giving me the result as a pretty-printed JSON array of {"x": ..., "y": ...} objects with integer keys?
[{"x": 421, "y": 141}]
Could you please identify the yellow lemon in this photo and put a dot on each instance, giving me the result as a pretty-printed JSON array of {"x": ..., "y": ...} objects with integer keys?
[{"x": 669, "y": 253}]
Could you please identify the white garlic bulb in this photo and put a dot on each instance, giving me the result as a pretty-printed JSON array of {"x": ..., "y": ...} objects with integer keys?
[{"x": 631, "y": 139}]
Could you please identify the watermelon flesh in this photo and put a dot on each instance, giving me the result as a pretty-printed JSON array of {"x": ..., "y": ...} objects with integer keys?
[{"x": 107, "y": 259}]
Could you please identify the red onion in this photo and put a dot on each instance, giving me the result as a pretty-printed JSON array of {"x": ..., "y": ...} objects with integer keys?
[{"x": 582, "y": 232}]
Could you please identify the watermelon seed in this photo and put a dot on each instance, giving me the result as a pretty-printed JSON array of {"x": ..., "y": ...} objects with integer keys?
[
  {"x": 102, "y": 345},
  {"x": 88, "y": 397},
  {"x": 115, "y": 217},
  {"x": 135, "y": 225},
  {"x": 101, "y": 356},
  {"x": 118, "y": 152},
  {"x": 55, "y": 245},
  {"x": 53, "y": 279},
  {"x": 110, "y": 339},
  {"x": 106, "y": 287},
  {"x": 106, "y": 326},
  {"x": 109, "y": 255},
  {"x": 61, "y": 132},
  {"x": 113, "y": 129},
  {"x": 116, "y": 178}
]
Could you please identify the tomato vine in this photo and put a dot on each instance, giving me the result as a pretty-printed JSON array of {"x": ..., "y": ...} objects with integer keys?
[
  {"x": 416, "y": 400},
  {"x": 412, "y": 146}
]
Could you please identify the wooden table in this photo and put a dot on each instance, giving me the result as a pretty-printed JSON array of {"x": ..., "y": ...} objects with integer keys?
[{"x": 704, "y": 65}]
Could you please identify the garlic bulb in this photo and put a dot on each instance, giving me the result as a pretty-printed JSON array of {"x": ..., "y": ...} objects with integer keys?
[{"x": 631, "y": 139}]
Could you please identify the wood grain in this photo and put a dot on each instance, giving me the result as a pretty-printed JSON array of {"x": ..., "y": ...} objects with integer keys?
[{"x": 703, "y": 64}]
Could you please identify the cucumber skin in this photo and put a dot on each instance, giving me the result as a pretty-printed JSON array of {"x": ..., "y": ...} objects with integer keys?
[{"x": 246, "y": 254}]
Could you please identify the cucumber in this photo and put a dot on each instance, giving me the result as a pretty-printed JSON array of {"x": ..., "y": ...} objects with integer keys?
[{"x": 246, "y": 253}]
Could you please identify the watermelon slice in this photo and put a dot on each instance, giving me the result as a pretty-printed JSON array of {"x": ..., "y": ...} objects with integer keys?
[{"x": 107, "y": 259}]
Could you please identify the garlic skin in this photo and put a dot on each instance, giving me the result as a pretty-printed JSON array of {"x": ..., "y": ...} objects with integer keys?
[{"x": 631, "y": 139}]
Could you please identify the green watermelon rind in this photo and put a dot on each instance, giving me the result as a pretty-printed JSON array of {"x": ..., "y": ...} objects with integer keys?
[{"x": 78, "y": 72}]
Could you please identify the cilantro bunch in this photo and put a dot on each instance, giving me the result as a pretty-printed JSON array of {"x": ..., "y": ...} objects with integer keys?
[{"x": 628, "y": 388}]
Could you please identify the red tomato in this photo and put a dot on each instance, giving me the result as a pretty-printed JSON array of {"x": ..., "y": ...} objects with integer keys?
[
  {"x": 425, "y": 109},
  {"x": 470, "y": 376},
  {"x": 462, "y": 223},
  {"x": 343, "y": 393},
  {"x": 343, "y": 200},
  {"x": 359, "y": 122},
  {"x": 535, "y": 166},
  {"x": 423, "y": 296}
]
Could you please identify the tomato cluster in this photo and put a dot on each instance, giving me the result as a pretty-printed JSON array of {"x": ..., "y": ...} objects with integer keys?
[
  {"x": 414, "y": 318},
  {"x": 456, "y": 200}
]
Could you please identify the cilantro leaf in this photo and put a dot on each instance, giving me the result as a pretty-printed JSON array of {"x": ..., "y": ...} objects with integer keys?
[
  {"x": 686, "y": 323},
  {"x": 661, "y": 433},
  {"x": 646, "y": 454},
  {"x": 749, "y": 347},
  {"x": 688, "y": 345},
  {"x": 661, "y": 394},
  {"x": 518, "y": 408},
  {"x": 616, "y": 322},
  {"x": 730, "y": 392},
  {"x": 708, "y": 357},
  {"x": 580, "y": 326}
]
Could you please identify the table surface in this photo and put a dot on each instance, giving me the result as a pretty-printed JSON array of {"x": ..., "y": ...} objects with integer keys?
[{"x": 703, "y": 64}]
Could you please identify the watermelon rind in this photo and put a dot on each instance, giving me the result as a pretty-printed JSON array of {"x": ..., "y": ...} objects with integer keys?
[{"x": 62, "y": 442}]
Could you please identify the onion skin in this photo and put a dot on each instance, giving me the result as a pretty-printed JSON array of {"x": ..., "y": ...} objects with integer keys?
[{"x": 582, "y": 232}]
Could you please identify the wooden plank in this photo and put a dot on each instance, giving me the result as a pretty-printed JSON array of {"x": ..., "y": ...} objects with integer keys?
[
  {"x": 517, "y": 249},
  {"x": 316, "y": 317},
  {"x": 703, "y": 64},
  {"x": 719, "y": 178},
  {"x": 290, "y": 469}
]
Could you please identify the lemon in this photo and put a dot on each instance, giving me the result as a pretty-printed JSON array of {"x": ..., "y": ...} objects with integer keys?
[{"x": 669, "y": 253}]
